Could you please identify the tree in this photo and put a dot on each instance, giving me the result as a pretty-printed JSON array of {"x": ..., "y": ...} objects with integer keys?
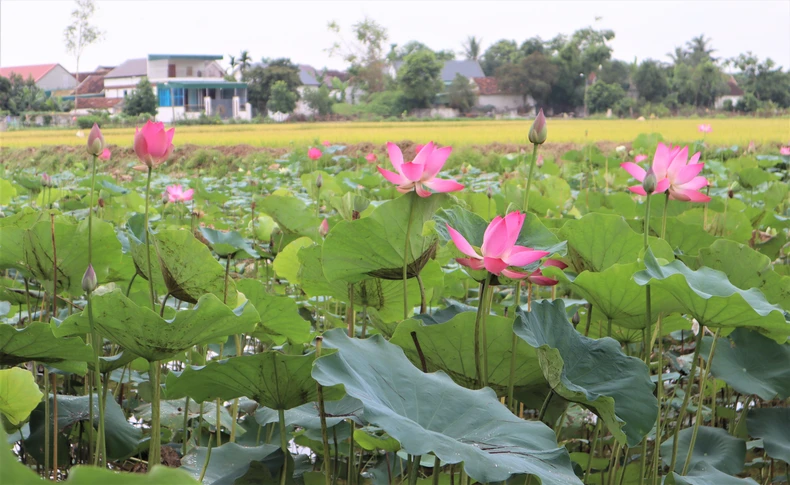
[
  {"x": 80, "y": 33},
  {"x": 400, "y": 53},
  {"x": 419, "y": 78},
  {"x": 244, "y": 60},
  {"x": 365, "y": 55},
  {"x": 461, "y": 94},
  {"x": 282, "y": 99},
  {"x": 602, "y": 96},
  {"x": 142, "y": 100},
  {"x": 651, "y": 81},
  {"x": 699, "y": 51},
  {"x": 233, "y": 62},
  {"x": 319, "y": 100},
  {"x": 472, "y": 48},
  {"x": 532, "y": 45},
  {"x": 533, "y": 76},
  {"x": 615, "y": 72},
  {"x": 762, "y": 79},
  {"x": 502, "y": 52},
  {"x": 260, "y": 80}
]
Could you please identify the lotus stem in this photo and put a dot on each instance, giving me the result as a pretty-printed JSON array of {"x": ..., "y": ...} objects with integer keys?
[
  {"x": 350, "y": 311},
  {"x": 545, "y": 405},
  {"x": 664, "y": 217},
  {"x": 589, "y": 319},
  {"x": 148, "y": 244},
  {"x": 414, "y": 469},
  {"x": 54, "y": 378},
  {"x": 703, "y": 381},
  {"x": 529, "y": 176},
  {"x": 90, "y": 211},
  {"x": 47, "y": 418},
  {"x": 350, "y": 471},
  {"x": 96, "y": 344},
  {"x": 283, "y": 445},
  {"x": 437, "y": 463},
  {"x": 648, "y": 310},
  {"x": 322, "y": 416},
  {"x": 205, "y": 463},
  {"x": 186, "y": 427},
  {"x": 406, "y": 312},
  {"x": 155, "y": 447},
  {"x": 615, "y": 462},
  {"x": 481, "y": 380},
  {"x": 659, "y": 398},
  {"x": 511, "y": 381},
  {"x": 423, "y": 305},
  {"x": 686, "y": 398}
]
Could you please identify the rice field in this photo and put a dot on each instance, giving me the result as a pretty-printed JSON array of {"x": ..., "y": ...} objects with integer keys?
[{"x": 730, "y": 131}]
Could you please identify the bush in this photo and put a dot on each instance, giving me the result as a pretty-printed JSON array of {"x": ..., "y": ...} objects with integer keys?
[
  {"x": 624, "y": 108},
  {"x": 748, "y": 103},
  {"x": 86, "y": 122},
  {"x": 657, "y": 109},
  {"x": 728, "y": 106},
  {"x": 602, "y": 96},
  {"x": 319, "y": 100}
]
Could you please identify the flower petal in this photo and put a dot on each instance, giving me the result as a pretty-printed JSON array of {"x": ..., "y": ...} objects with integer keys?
[
  {"x": 537, "y": 278},
  {"x": 637, "y": 189},
  {"x": 424, "y": 154},
  {"x": 678, "y": 162},
  {"x": 436, "y": 161},
  {"x": 396, "y": 156},
  {"x": 694, "y": 184},
  {"x": 635, "y": 170},
  {"x": 395, "y": 178},
  {"x": 688, "y": 172},
  {"x": 661, "y": 160},
  {"x": 513, "y": 223},
  {"x": 105, "y": 154},
  {"x": 442, "y": 185},
  {"x": 495, "y": 241},
  {"x": 141, "y": 147},
  {"x": 662, "y": 186},
  {"x": 412, "y": 171},
  {"x": 189, "y": 193},
  {"x": 494, "y": 265},
  {"x": 521, "y": 256},
  {"x": 421, "y": 191},
  {"x": 514, "y": 275},
  {"x": 461, "y": 243},
  {"x": 688, "y": 195},
  {"x": 476, "y": 264}
]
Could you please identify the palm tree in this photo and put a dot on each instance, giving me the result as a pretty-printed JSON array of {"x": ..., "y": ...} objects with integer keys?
[
  {"x": 699, "y": 51},
  {"x": 232, "y": 62},
  {"x": 472, "y": 47},
  {"x": 244, "y": 60},
  {"x": 679, "y": 56}
]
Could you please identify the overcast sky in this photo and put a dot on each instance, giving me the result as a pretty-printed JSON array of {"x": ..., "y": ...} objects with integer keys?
[{"x": 31, "y": 31}]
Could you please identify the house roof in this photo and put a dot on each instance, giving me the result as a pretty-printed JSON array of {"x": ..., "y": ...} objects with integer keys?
[
  {"x": 99, "y": 103},
  {"x": 130, "y": 68},
  {"x": 93, "y": 84},
  {"x": 487, "y": 85},
  {"x": 205, "y": 83},
  {"x": 468, "y": 69},
  {"x": 81, "y": 76},
  {"x": 36, "y": 71},
  {"x": 735, "y": 90},
  {"x": 307, "y": 75},
  {"x": 195, "y": 57}
]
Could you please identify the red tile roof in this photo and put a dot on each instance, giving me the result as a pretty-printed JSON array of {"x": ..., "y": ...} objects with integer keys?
[
  {"x": 98, "y": 103},
  {"x": 36, "y": 72},
  {"x": 487, "y": 85},
  {"x": 93, "y": 84},
  {"x": 735, "y": 90}
]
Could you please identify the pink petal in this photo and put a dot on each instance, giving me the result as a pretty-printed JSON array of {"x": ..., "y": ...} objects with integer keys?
[
  {"x": 694, "y": 184},
  {"x": 640, "y": 158},
  {"x": 494, "y": 265},
  {"x": 662, "y": 186},
  {"x": 424, "y": 154},
  {"x": 189, "y": 193},
  {"x": 395, "y": 178},
  {"x": 635, "y": 170},
  {"x": 687, "y": 173},
  {"x": 105, "y": 154},
  {"x": 141, "y": 147},
  {"x": 541, "y": 280},
  {"x": 421, "y": 191},
  {"x": 555, "y": 263},
  {"x": 514, "y": 275},
  {"x": 476, "y": 264},
  {"x": 491, "y": 227},
  {"x": 637, "y": 189},
  {"x": 521, "y": 256},
  {"x": 157, "y": 144},
  {"x": 412, "y": 171},
  {"x": 495, "y": 241},
  {"x": 396, "y": 156},
  {"x": 513, "y": 223},
  {"x": 436, "y": 161},
  {"x": 442, "y": 185},
  {"x": 677, "y": 164},
  {"x": 661, "y": 160},
  {"x": 461, "y": 243},
  {"x": 688, "y": 195}
]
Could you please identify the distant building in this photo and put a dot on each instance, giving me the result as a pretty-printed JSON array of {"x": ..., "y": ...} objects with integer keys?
[
  {"x": 489, "y": 95},
  {"x": 48, "y": 77},
  {"x": 468, "y": 69},
  {"x": 734, "y": 95}
]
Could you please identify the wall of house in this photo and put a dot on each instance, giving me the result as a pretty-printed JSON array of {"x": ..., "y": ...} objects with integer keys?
[
  {"x": 114, "y": 87},
  {"x": 57, "y": 78},
  {"x": 158, "y": 69},
  {"x": 719, "y": 104},
  {"x": 503, "y": 102}
]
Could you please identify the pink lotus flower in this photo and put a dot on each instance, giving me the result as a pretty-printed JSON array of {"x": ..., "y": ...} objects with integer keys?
[
  {"x": 371, "y": 157},
  {"x": 153, "y": 144},
  {"x": 420, "y": 172},
  {"x": 323, "y": 228},
  {"x": 640, "y": 158},
  {"x": 326, "y": 143},
  {"x": 704, "y": 128},
  {"x": 314, "y": 153},
  {"x": 499, "y": 247},
  {"x": 46, "y": 180},
  {"x": 785, "y": 151},
  {"x": 537, "y": 277},
  {"x": 176, "y": 193},
  {"x": 95, "y": 141},
  {"x": 674, "y": 172},
  {"x": 418, "y": 147}
]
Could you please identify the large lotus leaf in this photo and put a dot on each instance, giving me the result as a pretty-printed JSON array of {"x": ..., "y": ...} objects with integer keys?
[
  {"x": 12, "y": 235},
  {"x": 747, "y": 268},
  {"x": 71, "y": 239},
  {"x": 705, "y": 474},
  {"x": 733, "y": 225},
  {"x": 614, "y": 294},
  {"x": 150, "y": 336},
  {"x": 286, "y": 263},
  {"x": 714, "y": 446},
  {"x": 135, "y": 234},
  {"x": 683, "y": 238},
  {"x": 374, "y": 245},
  {"x": 449, "y": 347},
  {"x": 123, "y": 438},
  {"x": 385, "y": 296},
  {"x": 308, "y": 416},
  {"x": 189, "y": 269},
  {"x": 229, "y": 243},
  {"x": 231, "y": 461},
  {"x": 597, "y": 241},
  {"x": 172, "y": 414},
  {"x": 751, "y": 364},
  {"x": 19, "y": 394},
  {"x": 772, "y": 425},
  {"x": 91, "y": 475},
  {"x": 708, "y": 296},
  {"x": 272, "y": 379},
  {"x": 7, "y": 192},
  {"x": 37, "y": 342},
  {"x": 594, "y": 373},
  {"x": 429, "y": 413},
  {"x": 279, "y": 314},
  {"x": 291, "y": 214}
]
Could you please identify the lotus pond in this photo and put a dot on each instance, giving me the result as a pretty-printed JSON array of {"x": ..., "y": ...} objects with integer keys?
[{"x": 335, "y": 316}]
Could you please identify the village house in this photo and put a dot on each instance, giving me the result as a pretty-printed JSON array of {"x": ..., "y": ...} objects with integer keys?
[{"x": 48, "y": 77}]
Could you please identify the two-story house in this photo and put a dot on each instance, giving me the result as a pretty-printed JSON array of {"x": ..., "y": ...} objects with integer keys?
[{"x": 186, "y": 86}]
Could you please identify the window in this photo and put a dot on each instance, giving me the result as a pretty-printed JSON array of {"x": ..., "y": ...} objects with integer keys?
[
  {"x": 164, "y": 96},
  {"x": 227, "y": 93},
  {"x": 178, "y": 96},
  {"x": 171, "y": 70},
  {"x": 189, "y": 71},
  {"x": 124, "y": 93}
]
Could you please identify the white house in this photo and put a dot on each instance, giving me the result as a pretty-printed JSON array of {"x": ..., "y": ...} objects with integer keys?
[
  {"x": 48, "y": 77},
  {"x": 489, "y": 94},
  {"x": 734, "y": 95},
  {"x": 186, "y": 86},
  {"x": 308, "y": 77}
]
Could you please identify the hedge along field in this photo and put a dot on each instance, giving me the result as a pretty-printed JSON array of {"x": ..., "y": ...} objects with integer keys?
[{"x": 731, "y": 131}]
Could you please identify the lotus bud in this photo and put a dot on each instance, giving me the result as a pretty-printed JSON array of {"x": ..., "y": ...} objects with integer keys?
[
  {"x": 539, "y": 131},
  {"x": 46, "y": 180},
  {"x": 89, "y": 280},
  {"x": 576, "y": 319},
  {"x": 323, "y": 229},
  {"x": 490, "y": 192},
  {"x": 319, "y": 181},
  {"x": 731, "y": 193},
  {"x": 101, "y": 202},
  {"x": 95, "y": 141},
  {"x": 650, "y": 182}
]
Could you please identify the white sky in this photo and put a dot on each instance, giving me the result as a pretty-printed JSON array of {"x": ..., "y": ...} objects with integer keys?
[{"x": 31, "y": 31}]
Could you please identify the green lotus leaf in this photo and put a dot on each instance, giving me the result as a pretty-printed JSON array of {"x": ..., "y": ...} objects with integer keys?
[
  {"x": 751, "y": 364},
  {"x": 279, "y": 314},
  {"x": 429, "y": 413},
  {"x": 710, "y": 297},
  {"x": 449, "y": 347},
  {"x": 597, "y": 241},
  {"x": 286, "y": 263},
  {"x": 713, "y": 446},
  {"x": 705, "y": 474},
  {"x": 229, "y": 243},
  {"x": 291, "y": 214},
  {"x": 19, "y": 394},
  {"x": 172, "y": 414},
  {"x": 89, "y": 475},
  {"x": 231, "y": 461},
  {"x": 37, "y": 342},
  {"x": 272, "y": 379},
  {"x": 135, "y": 234},
  {"x": 150, "y": 336},
  {"x": 683, "y": 238},
  {"x": 374, "y": 245},
  {"x": 594, "y": 373},
  {"x": 772, "y": 425}
]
